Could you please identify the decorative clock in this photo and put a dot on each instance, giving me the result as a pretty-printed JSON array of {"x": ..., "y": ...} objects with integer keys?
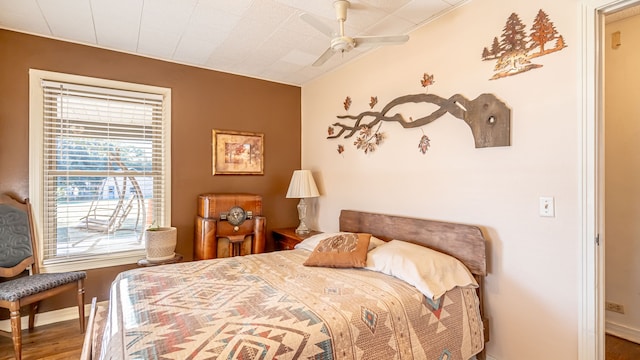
[{"x": 236, "y": 215}]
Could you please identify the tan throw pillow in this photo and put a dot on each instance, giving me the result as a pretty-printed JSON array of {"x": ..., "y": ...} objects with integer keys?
[{"x": 347, "y": 250}]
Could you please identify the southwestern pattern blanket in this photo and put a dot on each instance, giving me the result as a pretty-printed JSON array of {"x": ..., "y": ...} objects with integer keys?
[{"x": 270, "y": 306}]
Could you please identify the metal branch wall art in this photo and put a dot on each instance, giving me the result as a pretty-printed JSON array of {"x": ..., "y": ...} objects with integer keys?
[
  {"x": 487, "y": 116},
  {"x": 513, "y": 53}
]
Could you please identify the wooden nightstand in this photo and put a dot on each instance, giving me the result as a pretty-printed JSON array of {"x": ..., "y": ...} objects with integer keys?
[{"x": 286, "y": 238}]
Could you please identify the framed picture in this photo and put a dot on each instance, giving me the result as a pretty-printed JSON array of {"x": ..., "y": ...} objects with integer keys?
[{"x": 237, "y": 153}]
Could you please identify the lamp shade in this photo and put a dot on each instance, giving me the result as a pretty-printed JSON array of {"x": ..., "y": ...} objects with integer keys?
[{"x": 302, "y": 185}]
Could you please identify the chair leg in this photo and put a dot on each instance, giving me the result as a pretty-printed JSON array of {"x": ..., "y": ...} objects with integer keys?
[
  {"x": 81, "y": 304},
  {"x": 33, "y": 310},
  {"x": 16, "y": 333}
]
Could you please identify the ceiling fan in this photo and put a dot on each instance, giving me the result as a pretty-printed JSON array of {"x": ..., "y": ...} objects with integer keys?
[{"x": 341, "y": 42}]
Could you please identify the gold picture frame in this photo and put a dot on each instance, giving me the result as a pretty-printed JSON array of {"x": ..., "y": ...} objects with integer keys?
[{"x": 237, "y": 153}]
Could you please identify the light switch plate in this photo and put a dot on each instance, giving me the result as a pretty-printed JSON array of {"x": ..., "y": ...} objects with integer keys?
[{"x": 547, "y": 207}]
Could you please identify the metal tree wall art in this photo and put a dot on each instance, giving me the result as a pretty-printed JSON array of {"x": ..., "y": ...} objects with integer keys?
[
  {"x": 488, "y": 117},
  {"x": 513, "y": 53}
]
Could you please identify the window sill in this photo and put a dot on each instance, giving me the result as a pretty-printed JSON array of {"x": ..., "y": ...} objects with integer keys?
[{"x": 92, "y": 262}]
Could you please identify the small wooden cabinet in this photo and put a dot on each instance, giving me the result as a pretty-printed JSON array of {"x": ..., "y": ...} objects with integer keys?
[
  {"x": 286, "y": 238},
  {"x": 216, "y": 236}
]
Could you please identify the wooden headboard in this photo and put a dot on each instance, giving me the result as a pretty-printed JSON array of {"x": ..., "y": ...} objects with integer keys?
[{"x": 464, "y": 242}]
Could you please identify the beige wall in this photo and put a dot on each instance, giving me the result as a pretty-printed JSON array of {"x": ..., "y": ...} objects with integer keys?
[
  {"x": 532, "y": 286},
  {"x": 202, "y": 100},
  {"x": 622, "y": 176}
]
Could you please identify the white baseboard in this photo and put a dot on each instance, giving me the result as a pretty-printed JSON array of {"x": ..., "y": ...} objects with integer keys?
[
  {"x": 622, "y": 331},
  {"x": 49, "y": 317}
]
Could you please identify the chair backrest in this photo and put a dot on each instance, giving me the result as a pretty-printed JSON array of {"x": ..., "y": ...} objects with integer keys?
[{"x": 17, "y": 251}]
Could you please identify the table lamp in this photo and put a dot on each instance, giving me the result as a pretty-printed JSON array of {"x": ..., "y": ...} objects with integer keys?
[{"x": 302, "y": 186}]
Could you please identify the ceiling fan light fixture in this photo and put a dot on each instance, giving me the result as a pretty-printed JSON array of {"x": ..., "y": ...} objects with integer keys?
[{"x": 342, "y": 43}]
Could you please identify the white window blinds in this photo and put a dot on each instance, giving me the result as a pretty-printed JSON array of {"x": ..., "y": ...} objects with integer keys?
[{"x": 103, "y": 169}]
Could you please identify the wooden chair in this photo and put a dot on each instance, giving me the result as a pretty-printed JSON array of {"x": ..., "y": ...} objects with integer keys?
[{"x": 18, "y": 252}]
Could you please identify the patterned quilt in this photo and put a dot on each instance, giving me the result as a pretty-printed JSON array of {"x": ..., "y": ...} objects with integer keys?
[{"x": 270, "y": 306}]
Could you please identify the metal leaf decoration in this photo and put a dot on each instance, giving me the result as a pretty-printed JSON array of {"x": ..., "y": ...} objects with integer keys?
[
  {"x": 373, "y": 101},
  {"x": 347, "y": 103},
  {"x": 424, "y": 144},
  {"x": 340, "y": 149},
  {"x": 368, "y": 141},
  {"x": 427, "y": 80},
  {"x": 330, "y": 130}
]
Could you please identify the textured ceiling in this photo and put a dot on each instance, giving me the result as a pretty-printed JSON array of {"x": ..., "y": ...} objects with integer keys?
[
  {"x": 259, "y": 38},
  {"x": 626, "y": 12}
]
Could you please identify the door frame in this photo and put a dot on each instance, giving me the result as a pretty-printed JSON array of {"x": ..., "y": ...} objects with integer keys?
[{"x": 591, "y": 117}]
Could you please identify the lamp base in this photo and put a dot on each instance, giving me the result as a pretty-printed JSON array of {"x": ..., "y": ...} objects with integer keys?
[
  {"x": 302, "y": 229},
  {"x": 302, "y": 214}
]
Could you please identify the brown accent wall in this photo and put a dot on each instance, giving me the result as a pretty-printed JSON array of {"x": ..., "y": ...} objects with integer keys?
[{"x": 202, "y": 100}]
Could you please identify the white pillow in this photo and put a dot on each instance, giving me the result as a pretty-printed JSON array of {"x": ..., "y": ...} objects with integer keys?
[
  {"x": 311, "y": 242},
  {"x": 374, "y": 242},
  {"x": 431, "y": 272}
]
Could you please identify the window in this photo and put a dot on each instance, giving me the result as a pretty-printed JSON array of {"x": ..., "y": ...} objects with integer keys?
[{"x": 100, "y": 168}]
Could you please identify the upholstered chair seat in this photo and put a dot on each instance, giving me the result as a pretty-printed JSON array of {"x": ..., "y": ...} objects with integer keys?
[{"x": 14, "y": 290}]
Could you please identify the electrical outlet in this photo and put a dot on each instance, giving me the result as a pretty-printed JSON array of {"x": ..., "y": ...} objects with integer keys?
[{"x": 609, "y": 306}]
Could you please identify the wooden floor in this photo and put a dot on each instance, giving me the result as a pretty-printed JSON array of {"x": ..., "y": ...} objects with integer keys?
[
  {"x": 64, "y": 341},
  {"x": 51, "y": 342},
  {"x": 621, "y": 349}
]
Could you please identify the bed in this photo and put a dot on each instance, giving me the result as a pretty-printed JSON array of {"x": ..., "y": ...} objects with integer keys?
[{"x": 271, "y": 306}]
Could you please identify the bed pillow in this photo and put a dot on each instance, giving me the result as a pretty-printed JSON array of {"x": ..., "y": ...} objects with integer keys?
[
  {"x": 431, "y": 272},
  {"x": 347, "y": 250},
  {"x": 311, "y": 242},
  {"x": 374, "y": 242}
]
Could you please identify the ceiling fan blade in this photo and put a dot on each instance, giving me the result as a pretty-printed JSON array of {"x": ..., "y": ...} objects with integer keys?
[
  {"x": 317, "y": 24},
  {"x": 381, "y": 40},
  {"x": 324, "y": 57}
]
